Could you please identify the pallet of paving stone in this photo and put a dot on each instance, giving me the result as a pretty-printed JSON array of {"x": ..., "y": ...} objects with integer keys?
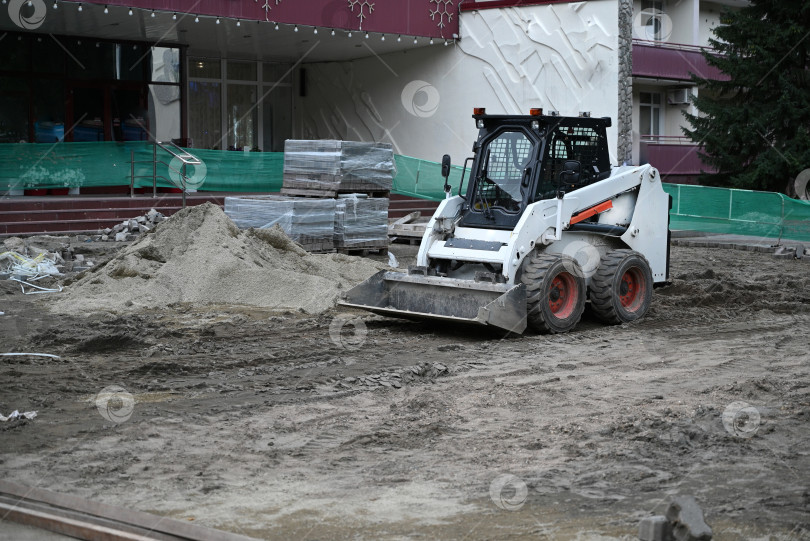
[{"x": 333, "y": 167}]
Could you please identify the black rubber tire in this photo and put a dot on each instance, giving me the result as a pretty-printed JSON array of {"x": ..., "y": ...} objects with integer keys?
[
  {"x": 545, "y": 276},
  {"x": 621, "y": 289}
]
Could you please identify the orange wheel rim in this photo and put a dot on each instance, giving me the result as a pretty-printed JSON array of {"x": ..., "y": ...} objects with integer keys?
[
  {"x": 562, "y": 295},
  {"x": 632, "y": 289}
]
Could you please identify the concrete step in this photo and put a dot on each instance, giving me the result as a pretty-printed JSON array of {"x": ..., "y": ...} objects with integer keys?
[{"x": 30, "y": 215}]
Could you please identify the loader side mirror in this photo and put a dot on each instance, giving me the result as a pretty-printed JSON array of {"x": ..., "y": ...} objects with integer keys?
[
  {"x": 446, "y": 173},
  {"x": 527, "y": 176},
  {"x": 446, "y": 165},
  {"x": 569, "y": 176},
  {"x": 570, "y": 173}
]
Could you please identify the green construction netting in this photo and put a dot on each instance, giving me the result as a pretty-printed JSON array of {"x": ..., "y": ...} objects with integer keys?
[
  {"x": 423, "y": 179},
  {"x": 699, "y": 208},
  {"x": 739, "y": 212},
  {"x": 109, "y": 164}
]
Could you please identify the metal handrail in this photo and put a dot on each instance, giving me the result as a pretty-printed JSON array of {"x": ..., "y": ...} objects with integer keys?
[
  {"x": 183, "y": 156},
  {"x": 186, "y": 158}
]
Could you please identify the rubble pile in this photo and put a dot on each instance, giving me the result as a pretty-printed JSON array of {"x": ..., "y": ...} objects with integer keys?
[
  {"x": 425, "y": 371},
  {"x": 129, "y": 230},
  {"x": 44, "y": 255},
  {"x": 683, "y": 522}
]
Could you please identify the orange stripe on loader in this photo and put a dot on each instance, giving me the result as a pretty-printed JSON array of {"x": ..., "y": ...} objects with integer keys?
[{"x": 587, "y": 213}]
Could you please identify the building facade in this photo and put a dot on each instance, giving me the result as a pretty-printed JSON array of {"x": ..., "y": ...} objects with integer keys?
[{"x": 249, "y": 74}]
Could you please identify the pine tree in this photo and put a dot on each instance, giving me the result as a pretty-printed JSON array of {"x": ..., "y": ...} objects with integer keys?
[{"x": 754, "y": 128}]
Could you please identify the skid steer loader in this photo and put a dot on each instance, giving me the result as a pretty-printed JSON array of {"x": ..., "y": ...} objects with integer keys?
[{"x": 544, "y": 226}]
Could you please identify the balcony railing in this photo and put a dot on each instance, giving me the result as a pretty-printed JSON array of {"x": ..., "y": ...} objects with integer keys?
[
  {"x": 674, "y": 61},
  {"x": 673, "y": 155},
  {"x": 667, "y": 139}
]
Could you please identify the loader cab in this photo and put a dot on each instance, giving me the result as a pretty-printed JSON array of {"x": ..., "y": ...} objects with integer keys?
[{"x": 519, "y": 160}]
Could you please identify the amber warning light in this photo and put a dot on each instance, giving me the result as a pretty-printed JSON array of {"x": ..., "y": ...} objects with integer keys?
[
  {"x": 536, "y": 112},
  {"x": 479, "y": 111}
]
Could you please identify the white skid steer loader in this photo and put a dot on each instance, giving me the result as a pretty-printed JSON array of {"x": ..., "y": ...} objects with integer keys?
[{"x": 544, "y": 227}]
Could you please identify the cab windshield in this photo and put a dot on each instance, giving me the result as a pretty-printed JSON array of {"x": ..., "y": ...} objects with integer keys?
[{"x": 498, "y": 182}]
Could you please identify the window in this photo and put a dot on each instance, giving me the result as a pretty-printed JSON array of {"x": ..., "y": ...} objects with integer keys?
[
  {"x": 242, "y": 117},
  {"x": 277, "y": 117},
  {"x": 204, "y": 68},
  {"x": 499, "y": 182},
  {"x": 55, "y": 88},
  {"x": 205, "y": 114},
  {"x": 239, "y": 105},
  {"x": 652, "y": 20},
  {"x": 649, "y": 114},
  {"x": 242, "y": 71},
  {"x": 49, "y": 110},
  {"x": 571, "y": 142},
  {"x": 15, "y": 52},
  {"x": 164, "y": 94}
]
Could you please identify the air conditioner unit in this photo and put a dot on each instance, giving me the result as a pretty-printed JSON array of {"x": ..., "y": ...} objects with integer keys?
[{"x": 679, "y": 96}]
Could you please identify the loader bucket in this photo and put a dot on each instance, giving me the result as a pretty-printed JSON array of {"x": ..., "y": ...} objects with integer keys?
[{"x": 432, "y": 297}]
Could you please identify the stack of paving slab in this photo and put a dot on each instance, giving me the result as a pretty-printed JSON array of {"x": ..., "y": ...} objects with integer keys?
[
  {"x": 361, "y": 222},
  {"x": 345, "y": 224},
  {"x": 309, "y": 222},
  {"x": 327, "y": 168},
  {"x": 334, "y": 196}
]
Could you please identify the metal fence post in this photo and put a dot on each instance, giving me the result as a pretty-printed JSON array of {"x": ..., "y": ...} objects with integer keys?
[
  {"x": 154, "y": 170},
  {"x": 184, "y": 184},
  {"x": 782, "y": 217},
  {"x": 730, "y": 201},
  {"x": 132, "y": 173}
]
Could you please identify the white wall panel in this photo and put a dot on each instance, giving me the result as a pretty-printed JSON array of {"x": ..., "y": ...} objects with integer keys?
[{"x": 560, "y": 57}]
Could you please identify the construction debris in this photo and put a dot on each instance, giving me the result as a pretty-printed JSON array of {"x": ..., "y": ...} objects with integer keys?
[
  {"x": 687, "y": 521},
  {"x": 425, "y": 371},
  {"x": 655, "y": 528},
  {"x": 31, "y": 268},
  {"x": 683, "y": 522},
  {"x": 792, "y": 252},
  {"x": 48, "y": 355},
  {"x": 39, "y": 258},
  {"x": 25, "y": 270},
  {"x": 406, "y": 229},
  {"x": 14, "y": 415},
  {"x": 130, "y": 229}
]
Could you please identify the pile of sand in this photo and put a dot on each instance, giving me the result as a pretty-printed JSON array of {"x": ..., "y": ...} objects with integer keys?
[{"x": 199, "y": 256}]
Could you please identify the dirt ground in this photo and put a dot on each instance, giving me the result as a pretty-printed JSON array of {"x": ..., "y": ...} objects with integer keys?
[{"x": 349, "y": 425}]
